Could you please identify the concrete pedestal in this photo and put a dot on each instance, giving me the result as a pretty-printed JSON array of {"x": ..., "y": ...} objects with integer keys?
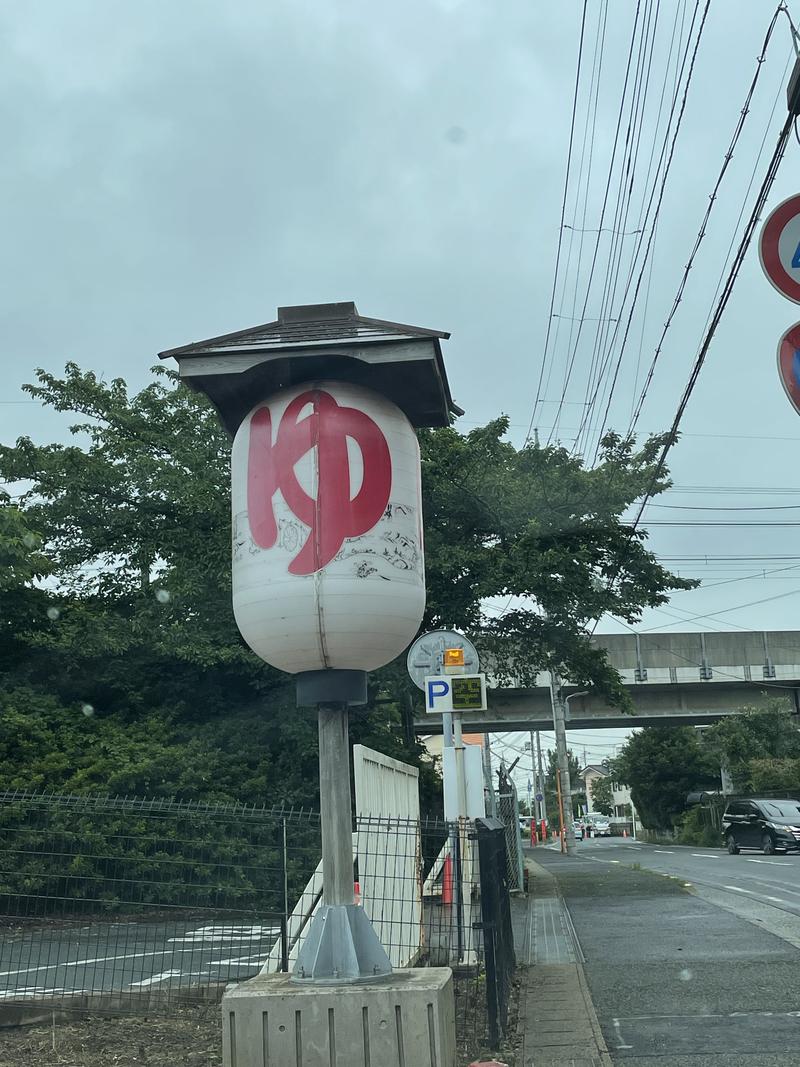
[{"x": 404, "y": 1020}]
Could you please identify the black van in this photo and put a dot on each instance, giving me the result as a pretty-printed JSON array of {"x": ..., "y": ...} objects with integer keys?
[{"x": 766, "y": 823}]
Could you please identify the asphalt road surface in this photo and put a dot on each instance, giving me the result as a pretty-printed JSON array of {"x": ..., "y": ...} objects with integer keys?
[
  {"x": 697, "y": 969},
  {"x": 771, "y": 880},
  {"x": 105, "y": 957}
]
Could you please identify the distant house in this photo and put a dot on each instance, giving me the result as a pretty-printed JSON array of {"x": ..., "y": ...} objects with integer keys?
[{"x": 620, "y": 794}]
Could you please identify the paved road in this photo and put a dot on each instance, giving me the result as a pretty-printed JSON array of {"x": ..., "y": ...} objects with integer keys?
[
  {"x": 771, "y": 880},
  {"x": 128, "y": 957},
  {"x": 698, "y": 969}
]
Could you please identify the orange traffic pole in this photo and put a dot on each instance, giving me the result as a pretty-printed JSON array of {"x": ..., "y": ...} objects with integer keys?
[{"x": 447, "y": 880}]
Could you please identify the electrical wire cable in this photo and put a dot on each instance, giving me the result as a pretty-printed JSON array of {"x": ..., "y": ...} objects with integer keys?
[
  {"x": 563, "y": 211},
  {"x": 647, "y": 257},
  {"x": 707, "y": 215},
  {"x": 593, "y": 265},
  {"x": 672, "y": 436}
]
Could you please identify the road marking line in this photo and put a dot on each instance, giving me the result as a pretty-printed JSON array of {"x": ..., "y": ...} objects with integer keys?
[
  {"x": 704, "y": 856},
  {"x": 82, "y": 963},
  {"x": 713, "y": 1015},
  {"x": 36, "y": 990},
  {"x": 256, "y": 960},
  {"x": 775, "y": 885},
  {"x": 778, "y": 900},
  {"x": 155, "y": 980},
  {"x": 774, "y": 863},
  {"x": 618, "y": 1032},
  {"x": 736, "y": 889},
  {"x": 634, "y": 848},
  {"x": 663, "y": 852}
]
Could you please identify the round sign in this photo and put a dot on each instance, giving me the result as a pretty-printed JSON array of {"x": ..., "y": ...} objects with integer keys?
[
  {"x": 540, "y": 796},
  {"x": 779, "y": 248},
  {"x": 789, "y": 365},
  {"x": 425, "y": 655}
]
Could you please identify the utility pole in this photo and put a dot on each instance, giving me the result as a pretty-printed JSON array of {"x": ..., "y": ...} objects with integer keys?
[
  {"x": 543, "y": 802},
  {"x": 534, "y": 802},
  {"x": 559, "y": 725}
]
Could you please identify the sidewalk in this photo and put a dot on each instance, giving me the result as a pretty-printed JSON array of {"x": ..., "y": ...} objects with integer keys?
[
  {"x": 557, "y": 1025},
  {"x": 650, "y": 974}
]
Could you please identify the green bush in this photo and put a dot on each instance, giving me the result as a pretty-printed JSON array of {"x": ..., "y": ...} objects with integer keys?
[{"x": 696, "y": 828}]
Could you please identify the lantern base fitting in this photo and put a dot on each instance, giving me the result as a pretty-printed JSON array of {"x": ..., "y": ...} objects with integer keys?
[
  {"x": 341, "y": 947},
  {"x": 331, "y": 687}
]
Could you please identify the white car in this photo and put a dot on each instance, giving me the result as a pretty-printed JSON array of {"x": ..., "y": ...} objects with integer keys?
[{"x": 601, "y": 828}]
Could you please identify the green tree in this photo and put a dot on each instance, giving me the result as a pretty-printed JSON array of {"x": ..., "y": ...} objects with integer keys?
[
  {"x": 130, "y": 524},
  {"x": 537, "y": 525},
  {"x": 662, "y": 765},
  {"x": 602, "y": 796},
  {"x": 760, "y": 746}
]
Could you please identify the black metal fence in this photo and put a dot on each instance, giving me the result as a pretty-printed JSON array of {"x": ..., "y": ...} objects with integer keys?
[
  {"x": 498, "y": 938},
  {"x": 115, "y": 903}
]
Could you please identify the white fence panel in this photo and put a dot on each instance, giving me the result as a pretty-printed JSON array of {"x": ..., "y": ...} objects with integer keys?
[
  {"x": 388, "y": 851},
  {"x": 384, "y": 786}
]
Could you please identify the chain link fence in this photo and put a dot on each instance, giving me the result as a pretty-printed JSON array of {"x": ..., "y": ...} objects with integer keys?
[{"x": 124, "y": 904}]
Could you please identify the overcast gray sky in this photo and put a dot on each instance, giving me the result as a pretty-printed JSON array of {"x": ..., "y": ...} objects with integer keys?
[{"x": 174, "y": 171}]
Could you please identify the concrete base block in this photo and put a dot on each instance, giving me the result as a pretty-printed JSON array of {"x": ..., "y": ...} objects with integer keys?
[{"x": 404, "y": 1020}]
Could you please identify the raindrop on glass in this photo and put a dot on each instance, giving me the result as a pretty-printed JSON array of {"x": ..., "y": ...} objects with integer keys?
[
  {"x": 29, "y": 540},
  {"x": 163, "y": 596},
  {"x": 685, "y": 975},
  {"x": 53, "y": 614},
  {"x": 87, "y": 710}
]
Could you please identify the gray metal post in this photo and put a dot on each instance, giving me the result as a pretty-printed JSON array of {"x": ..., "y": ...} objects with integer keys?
[
  {"x": 461, "y": 776},
  {"x": 336, "y": 813},
  {"x": 488, "y": 784},
  {"x": 559, "y": 724},
  {"x": 341, "y": 945}
]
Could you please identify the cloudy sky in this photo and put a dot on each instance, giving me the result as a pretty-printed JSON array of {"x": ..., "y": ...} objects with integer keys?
[{"x": 174, "y": 171}]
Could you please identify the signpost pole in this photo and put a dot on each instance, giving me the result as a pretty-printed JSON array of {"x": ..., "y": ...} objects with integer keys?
[{"x": 461, "y": 777}]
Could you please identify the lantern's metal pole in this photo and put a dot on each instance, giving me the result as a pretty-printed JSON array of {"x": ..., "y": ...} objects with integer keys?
[
  {"x": 334, "y": 801},
  {"x": 341, "y": 945}
]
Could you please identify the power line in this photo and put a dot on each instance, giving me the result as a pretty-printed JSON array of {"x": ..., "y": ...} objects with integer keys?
[
  {"x": 672, "y": 435},
  {"x": 633, "y": 140},
  {"x": 571, "y": 360},
  {"x": 591, "y": 116},
  {"x": 732, "y": 524},
  {"x": 727, "y": 611},
  {"x": 706, "y": 217},
  {"x": 647, "y": 257},
  {"x": 736, "y": 507},
  {"x": 563, "y": 212}
]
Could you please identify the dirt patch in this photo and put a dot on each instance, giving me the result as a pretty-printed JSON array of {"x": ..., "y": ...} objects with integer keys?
[{"x": 190, "y": 1037}]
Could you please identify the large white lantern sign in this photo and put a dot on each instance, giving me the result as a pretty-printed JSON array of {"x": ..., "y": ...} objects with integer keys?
[{"x": 328, "y": 568}]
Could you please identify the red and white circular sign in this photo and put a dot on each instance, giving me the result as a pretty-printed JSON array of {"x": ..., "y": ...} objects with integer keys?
[
  {"x": 789, "y": 365},
  {"x": 779, "y": 248}
]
